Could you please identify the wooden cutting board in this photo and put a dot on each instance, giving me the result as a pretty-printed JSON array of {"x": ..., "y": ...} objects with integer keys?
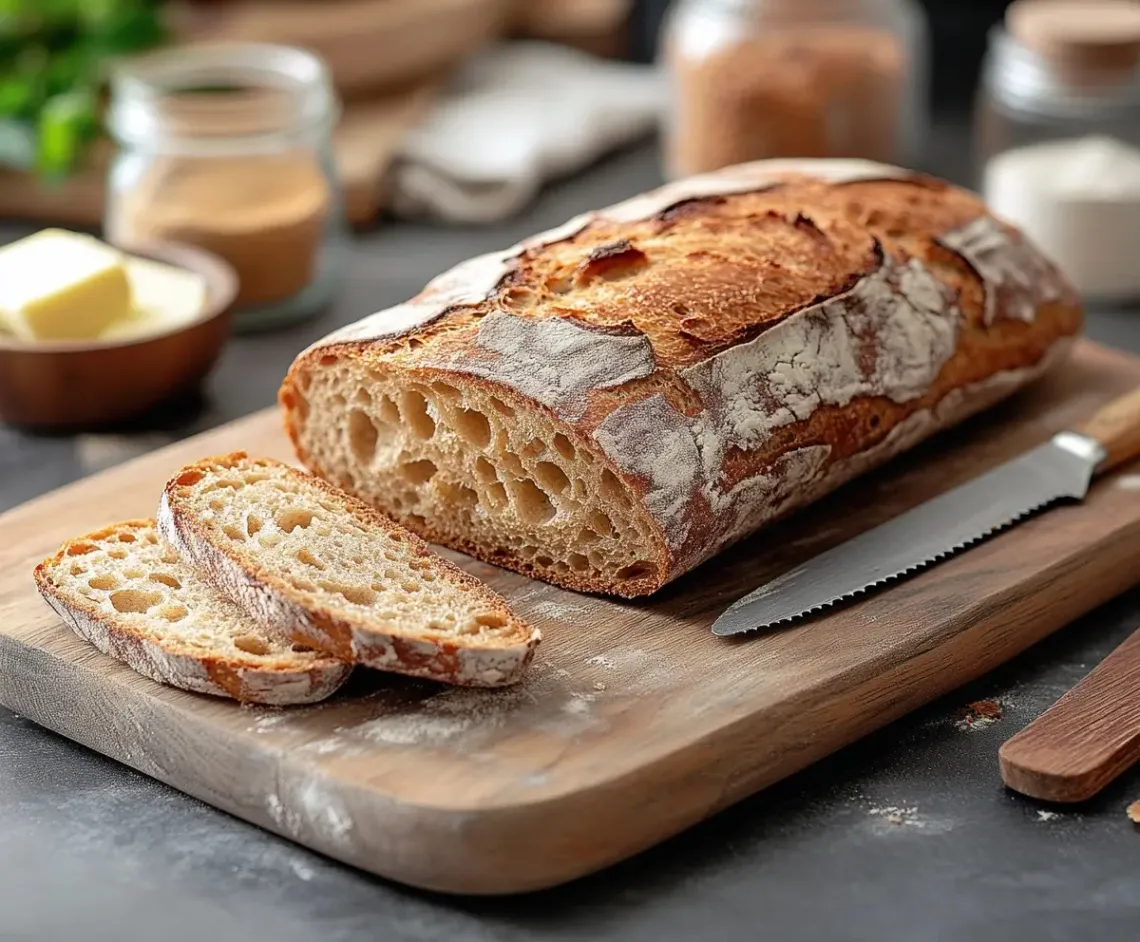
[{"x": 635, "y": 722}]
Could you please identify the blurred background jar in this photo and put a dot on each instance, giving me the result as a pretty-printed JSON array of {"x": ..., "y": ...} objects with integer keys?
[
  {"x": 793, "y": 78},
  {"x": 1058, "y": 134},
  {"x": 227, "y": 146}
]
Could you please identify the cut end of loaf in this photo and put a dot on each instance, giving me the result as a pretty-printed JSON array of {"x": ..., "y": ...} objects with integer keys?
[
  {"x": 291, "y": 550},
  {"x": 475, "y": 467}
]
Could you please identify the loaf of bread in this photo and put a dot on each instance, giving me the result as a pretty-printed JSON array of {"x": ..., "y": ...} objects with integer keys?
[{"x": 610, "y": 403}]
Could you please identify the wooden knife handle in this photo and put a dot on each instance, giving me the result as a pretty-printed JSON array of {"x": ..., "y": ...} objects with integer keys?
[
  {"x": 1117, "y": 427},
  {"x": 1086, "y": 739}
]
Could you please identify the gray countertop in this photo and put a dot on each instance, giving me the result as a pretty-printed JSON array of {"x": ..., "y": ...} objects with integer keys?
[{"x": 908, "y": 835}]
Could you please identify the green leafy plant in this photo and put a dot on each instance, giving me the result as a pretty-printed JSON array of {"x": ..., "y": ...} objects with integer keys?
[{"x": 54, "y": 57}]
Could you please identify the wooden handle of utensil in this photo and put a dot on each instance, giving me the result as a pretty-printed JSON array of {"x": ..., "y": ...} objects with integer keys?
[
  {"x": 1117, "y": 427},
  {"x": 1086, "y": 739}
]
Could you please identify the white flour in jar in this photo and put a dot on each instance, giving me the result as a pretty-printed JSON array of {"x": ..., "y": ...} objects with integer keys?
[{"x": 1079, "y": 200}]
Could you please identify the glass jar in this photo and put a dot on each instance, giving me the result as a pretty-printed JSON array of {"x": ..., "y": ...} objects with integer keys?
[
  {"x": 226, "y": 146},
  {"x": 793, "y": 78},
  {"x": 1057, "y": 136}
]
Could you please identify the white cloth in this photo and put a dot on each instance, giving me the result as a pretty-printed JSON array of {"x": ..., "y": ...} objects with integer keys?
[{"x": 515, "y": 116}]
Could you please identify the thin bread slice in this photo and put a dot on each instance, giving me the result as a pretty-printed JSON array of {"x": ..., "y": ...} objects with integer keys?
[
  {"x": 292, "y": 550},
  {"x": 133, "y": 598}
]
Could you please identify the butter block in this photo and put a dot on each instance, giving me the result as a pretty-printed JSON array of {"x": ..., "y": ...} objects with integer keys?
[
  {"x": 60, "y": 285},
  {"x": 163, "y": 298}
]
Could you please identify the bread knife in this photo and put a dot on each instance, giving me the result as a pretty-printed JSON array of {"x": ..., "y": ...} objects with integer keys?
[{"x": 1060, "y": 469}]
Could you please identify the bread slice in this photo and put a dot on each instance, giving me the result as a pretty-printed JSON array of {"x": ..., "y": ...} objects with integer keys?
[
  {"x": 132, "y": 597},
  {"x": 292, "y": 550}
]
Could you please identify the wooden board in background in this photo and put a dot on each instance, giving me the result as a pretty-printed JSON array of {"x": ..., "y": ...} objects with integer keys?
[{"x": 635, "y": 722}]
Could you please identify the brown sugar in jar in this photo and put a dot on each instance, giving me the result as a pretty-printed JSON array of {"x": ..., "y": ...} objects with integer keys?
[
  {"x": 264, "y": 215},
  {"x": 813, "y": 78},
  {"x": 226, "y": 146}
]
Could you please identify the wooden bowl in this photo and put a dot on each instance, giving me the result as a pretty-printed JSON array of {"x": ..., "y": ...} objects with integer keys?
[{"x": 74, "y": 384}]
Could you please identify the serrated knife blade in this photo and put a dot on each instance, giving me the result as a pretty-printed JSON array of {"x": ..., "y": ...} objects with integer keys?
[{"x": 1060, "y": 469}]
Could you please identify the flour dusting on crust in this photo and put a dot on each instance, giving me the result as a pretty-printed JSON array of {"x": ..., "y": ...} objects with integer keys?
[
  {"x": 554, "y": 361},
  {"x": 818, "y": 356},
  {"x": 1017, "y": 277}
]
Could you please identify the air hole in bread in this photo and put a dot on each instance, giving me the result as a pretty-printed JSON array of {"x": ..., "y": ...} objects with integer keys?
[
  {"x": 233, "y": 532},
  {"x": 305, "y": 585},
  {"x": 251, "y": 645},
  {"x": 356, "y": 594},
  {"x": 253, "y": 524},
  {"x": 293, "y": 518},
  {"x": 601, "y": 523},
  {"x": 388, "y": 411},
  {"x": 416, "y": 521},
  {"x": 491, "y": 621},
  {"x": 414, "y": 409},
  {"x": 305, "y": 555},
  {"x": 300, "y": 649},
  {"x": 544, "y": 560},
  {"x": 81, "y": 549},
  {"x": 134, "y": 600},
  {"x": 217, "y": 505},
  {"x": 485, "y": 471},
  {"x": 418, "y": 472},
  {"x": 446, "y": 390},
  {"x": 564, "y": 446},
  {"x": 116, "y": 553},
  {"x": 77, "y": 570},
  {"x": 363, "y": 436},
  {"x": 552, "y": 478},
  {"x": 578, "y": 562},
  {"x": 103, "y": 581},
  {"x": 339, "y": 401},
  {"x": 531, "y": 502},
  {"x": 473, "y": 427},
  {"x": 458, "y": 494},
  {"x": 501, "y": 407},
  {"x": 410, "y": 587},
  {"x": 126, "y": 537},
  {"x": 638, "y": 570},
  {"x": 534, "y": 448},
  {"x": 328, "y": 359},
  {"x": 510, "y": 461},
  {"x": 586, "y": 536},
  {"x": 151, "y": 538},
  {"x": 134, "y": 573},
  {"x": 166, "y": 579},
  {"x": 361, "y": 398},
  {"x": 496, "y": 494},
  {"x": 233, "y": 483},
  {"x": 611, "y": 488},
  {"x": 173, "y": 612},
  {"x": 188, "y": 478}
]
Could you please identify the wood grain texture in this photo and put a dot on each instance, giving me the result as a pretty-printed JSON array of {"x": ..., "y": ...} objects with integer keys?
[
  {"x": 1086, "y": 739},
  {"x": 635, "y": 722}
]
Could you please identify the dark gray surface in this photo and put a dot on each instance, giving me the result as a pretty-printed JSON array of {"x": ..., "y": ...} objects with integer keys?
[{"x": 90, "y": 850}]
